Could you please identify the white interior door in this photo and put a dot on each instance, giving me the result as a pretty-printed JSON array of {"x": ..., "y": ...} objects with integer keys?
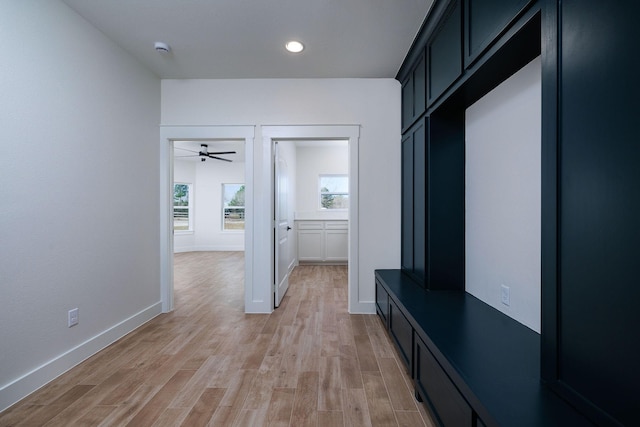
[{"x": 281, "y": 227}]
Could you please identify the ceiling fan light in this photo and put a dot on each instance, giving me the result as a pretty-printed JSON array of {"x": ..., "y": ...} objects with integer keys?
[{"x": 294, "y": 46}]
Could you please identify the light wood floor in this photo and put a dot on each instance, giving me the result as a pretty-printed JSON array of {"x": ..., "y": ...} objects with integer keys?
[{"x": 309, "y": 363}]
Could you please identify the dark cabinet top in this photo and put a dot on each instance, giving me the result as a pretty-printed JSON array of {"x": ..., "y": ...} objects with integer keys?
[{"x": 493, "y": 360}]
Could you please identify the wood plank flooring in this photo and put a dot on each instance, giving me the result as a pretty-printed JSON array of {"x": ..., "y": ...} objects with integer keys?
[{"x": 309, "y": 363}]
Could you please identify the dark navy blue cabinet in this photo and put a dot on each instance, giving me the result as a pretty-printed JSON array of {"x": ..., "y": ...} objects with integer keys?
[
  {"x": 591, "y": 282},
  {"x": 408, "y": 194},
  {"x": 444, "y": 53},
  {"x": 382, "y": 303},
  {"x": 414, "y": 93},
  {"x": 414, "y": 201},
  {"x": 471, "y": 365},
  {"x": 485, "y": 20},
  {"x": 437, "y": 390},
  {"x": 402, "y": 333},
  {"x": 584, "y": 368}
]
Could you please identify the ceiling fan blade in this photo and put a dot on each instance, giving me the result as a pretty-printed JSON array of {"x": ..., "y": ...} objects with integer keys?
[
  {"x": 185, "y": 149},
  {"x": 221, "y": 152},
  {"x": 191, "y": 155},
  {"x": 219, "y": 158}
]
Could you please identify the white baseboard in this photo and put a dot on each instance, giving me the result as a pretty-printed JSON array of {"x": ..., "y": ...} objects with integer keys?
[
  {"x": 363, "y": 308},
  {"x": 32, "y": 381},
  {"x": 183, "y": 249},
  {"x": 234, "y": 248}
]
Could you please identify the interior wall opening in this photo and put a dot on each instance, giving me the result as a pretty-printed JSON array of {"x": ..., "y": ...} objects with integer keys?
[
  {"x": 209, "y": 197},
  {"x": 317, "y": 196},
  {"x": 350, "y": 133}
]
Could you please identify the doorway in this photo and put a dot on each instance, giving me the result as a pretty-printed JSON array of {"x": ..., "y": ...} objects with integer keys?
[
  {"x": 270, "y": 135},
  {"x": 259, "y": 256},
  {"x": 168, "y": 136},
  {"x": 311, "y": 203}
]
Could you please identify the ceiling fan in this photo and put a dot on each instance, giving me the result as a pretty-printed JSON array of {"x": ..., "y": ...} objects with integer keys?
[{"x": 204, "y": 153}]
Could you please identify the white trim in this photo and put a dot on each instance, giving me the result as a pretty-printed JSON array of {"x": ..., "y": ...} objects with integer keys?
[
  {"x": 264, "y": 228},
  {"x": 168, "y": 134},
  {"x": 208, "y": 249},
  {"x": 47, "y": 372},
  {"x": 363, "y": 307}
]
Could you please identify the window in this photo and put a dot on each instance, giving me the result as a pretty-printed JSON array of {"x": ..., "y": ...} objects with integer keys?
[
  {"x": 182, "y": 207},
  {"x": 233, "y": 207},
  {"x": 334, "y": 192}
]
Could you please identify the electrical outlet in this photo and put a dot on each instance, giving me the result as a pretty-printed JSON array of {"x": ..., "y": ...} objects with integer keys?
[
  {"x": 73, "y": 317},
  {"x": 505, "y": 295}
]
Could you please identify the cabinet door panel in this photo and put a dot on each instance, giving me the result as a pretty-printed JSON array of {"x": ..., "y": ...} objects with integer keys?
[
  {"x": 407, "y": 102},
  {"x": 407, "y": 203},
  {"x": 599, "y": 206},
  {"x": 445, "y": 54},
  {"x": 310, "y": 245},
  {"x": 438, "y": 391},
  {"x": 382, "y": 302},
  {"x": 402, "y": 333},
  {"x": 420, "y": 88},
  {"x": 420, "y": 203},
  {"x": 414, "y": 201},
  {"x": 485, "y": 20},
  {"x": 336, "y": 245},
  {"x": 414, "y": 95}
]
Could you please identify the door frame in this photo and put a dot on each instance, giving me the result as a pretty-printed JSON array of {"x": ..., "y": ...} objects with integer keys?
[
  {"x": 168, "y": 134},
  {"x": 264, "y": 244}
]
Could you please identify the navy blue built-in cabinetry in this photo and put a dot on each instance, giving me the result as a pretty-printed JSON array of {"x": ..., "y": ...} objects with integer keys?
[
  {"x": 414, "y": 93},
  {"x": 471, "y": 364},
  {"x": 444, "y": 52},
  {"x": 591, "y": 208},
  {"x": 485, "y": 20},
  {"x": 474, "y": 366},
  {"x": 414, "y": 200}
]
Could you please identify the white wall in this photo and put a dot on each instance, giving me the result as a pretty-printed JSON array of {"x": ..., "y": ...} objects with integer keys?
[
  {"x": 372, "y": 103},
  {"x": 79, "y": 223},
  {"x": 314, "y": 161},
  {"x": 503, "y": 172}
]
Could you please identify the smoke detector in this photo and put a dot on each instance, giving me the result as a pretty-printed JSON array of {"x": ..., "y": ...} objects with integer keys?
[{"x": 162, "y": 47}]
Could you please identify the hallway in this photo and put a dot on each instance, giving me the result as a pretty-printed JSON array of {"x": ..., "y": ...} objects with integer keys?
[{"x": 309, "y": 363}]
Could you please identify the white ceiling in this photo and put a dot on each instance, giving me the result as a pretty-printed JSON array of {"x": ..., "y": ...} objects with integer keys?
[{"x": 245, "y": 38}]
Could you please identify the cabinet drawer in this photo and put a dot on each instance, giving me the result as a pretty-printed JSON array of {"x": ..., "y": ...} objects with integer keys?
[
  {"x": 337, "y": 225},
  {"x": 442, "y": 396},
  {"x": 402, "y": 333},
  {"x": 310, "y": 225}
]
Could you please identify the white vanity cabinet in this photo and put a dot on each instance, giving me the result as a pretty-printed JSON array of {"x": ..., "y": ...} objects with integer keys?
[{"x": 323, "y": 241}]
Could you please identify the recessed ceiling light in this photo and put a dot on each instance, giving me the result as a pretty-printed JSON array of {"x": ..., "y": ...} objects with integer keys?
[{"x": 294, "y": 46}]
